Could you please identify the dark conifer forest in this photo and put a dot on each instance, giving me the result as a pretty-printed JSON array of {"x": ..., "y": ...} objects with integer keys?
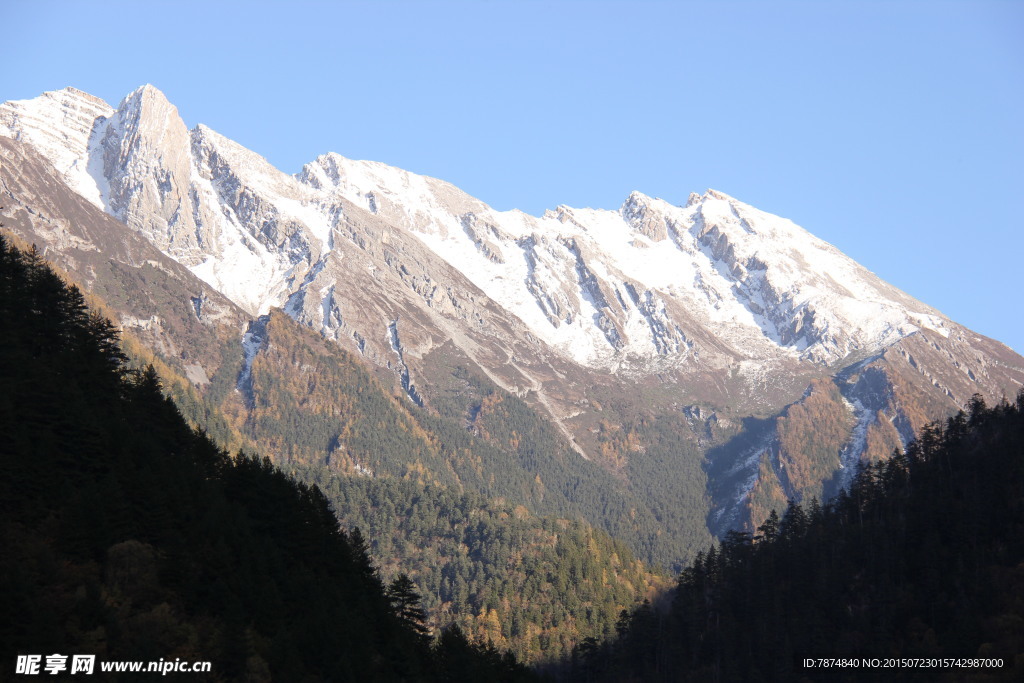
[
  {"x": 129, "y": 535},
  {"x": 921, "y": 558}
]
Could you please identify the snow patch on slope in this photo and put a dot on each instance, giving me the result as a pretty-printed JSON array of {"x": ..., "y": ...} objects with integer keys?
[
  {"x": 60, "y": 126},
  {"x": 253, "y": 341},
  {"x": 241, "y": 268},
  {"x": 851, "y": 453}
]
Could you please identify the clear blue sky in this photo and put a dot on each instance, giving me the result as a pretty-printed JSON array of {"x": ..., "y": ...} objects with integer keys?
[{"x": 894, "y": 130}]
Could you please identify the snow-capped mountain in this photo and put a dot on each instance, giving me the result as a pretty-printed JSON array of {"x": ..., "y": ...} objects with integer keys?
[
  {"x": 638, "y": 287},
  {"x": 714, "y": 307},
  {"x": 641, "y": 283}
]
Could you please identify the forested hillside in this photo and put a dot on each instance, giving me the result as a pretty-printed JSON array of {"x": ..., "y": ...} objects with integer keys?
[
  {"x": 922, "y": 557},
  {"x": 316, "y": 405},
  {"x": 534, "y": 585},
  {"x": 487, "y": 520},
  {"x": 129, "y": 535},
  {"x": 410, "y": 478}
]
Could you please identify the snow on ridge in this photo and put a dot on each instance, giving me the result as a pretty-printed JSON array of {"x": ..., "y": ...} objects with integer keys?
[
  {"x": 294, "y": 199},
  {"x": 239, "y": 266},
  {"x": 59, "y": 125},
  {"x": 847, "y": 306},
  {"x": 95, "y": 165},
  {"x": 600, "y": 285}
]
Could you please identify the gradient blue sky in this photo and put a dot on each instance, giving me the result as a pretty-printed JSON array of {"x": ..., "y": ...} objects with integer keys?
[{"x": 893, "y": 130}]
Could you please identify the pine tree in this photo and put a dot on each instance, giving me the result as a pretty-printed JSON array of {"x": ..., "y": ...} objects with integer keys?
[{"x": 407, "y": 604}]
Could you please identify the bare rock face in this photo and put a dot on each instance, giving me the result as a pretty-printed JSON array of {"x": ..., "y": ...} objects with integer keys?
[
  {"x": 146, "y": 165},
  {"x": 713, "y": 306}
]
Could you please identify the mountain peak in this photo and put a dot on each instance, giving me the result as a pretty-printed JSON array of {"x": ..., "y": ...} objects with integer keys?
[
  {"x": 637, "y": 198},
  {"x": 59, "y": 124},
  {"x": 635, "y": 204},
  {"x": 715, "y": 194},
  {"x": 82, "y": 95},
  {"x": 147, "y": 89},
  {"x": 51, "y": 101},
  {"x": 146, "y": 97},
  {"x": 203, "y": 132}
]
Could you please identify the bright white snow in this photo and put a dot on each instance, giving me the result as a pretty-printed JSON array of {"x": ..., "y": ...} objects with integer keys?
[{"x": 600, "y": 286}]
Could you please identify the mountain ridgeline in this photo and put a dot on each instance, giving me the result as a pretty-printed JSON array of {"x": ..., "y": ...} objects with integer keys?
[{"x": 132, "y": 536}]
